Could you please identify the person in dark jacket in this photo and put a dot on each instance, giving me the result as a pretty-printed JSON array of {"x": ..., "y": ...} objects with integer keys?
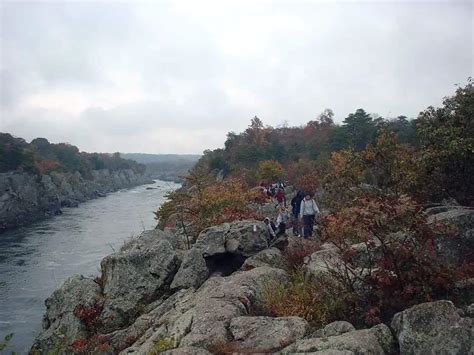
[{"x": 296, "y": 205}]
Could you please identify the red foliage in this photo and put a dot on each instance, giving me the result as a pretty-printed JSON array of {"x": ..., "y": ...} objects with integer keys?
[
  {"x": 89, "y": 315},
  {"x": 46, "y": 166},
  {"x": 295, "y": 253}
]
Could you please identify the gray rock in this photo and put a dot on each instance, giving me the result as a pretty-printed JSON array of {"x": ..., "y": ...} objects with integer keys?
[
  {"x": 321, "y": 262},
  {"x": 202, "y": 318},
  {"x": 334, "y": 328},
  {"x": 187, "y": 350},
  {"x": 266, "y": 334},
  {"x": 221, "y": 250},
  {"x": 193, "y": 271},
  {"x": 269, "y": 257},
  {"x": 60, "y": 325},
  {"x": 147, "y": 263},
  {"x": 433, "y": 328},
  {"x": 460, "y": 247},
  {"x": 25, "y": 198},
  {"x": 221, "y": 299},
  {"x": 470, "y": 311},
  {"x": 377, "y": 340}
]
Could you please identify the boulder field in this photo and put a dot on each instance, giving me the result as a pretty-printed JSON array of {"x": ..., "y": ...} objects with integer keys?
[
  {"x": 25, "y": 198},
  {"x": 154, "y": 296}
]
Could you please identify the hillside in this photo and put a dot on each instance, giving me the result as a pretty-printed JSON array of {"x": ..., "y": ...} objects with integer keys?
[{"x": 168, "y": 167}]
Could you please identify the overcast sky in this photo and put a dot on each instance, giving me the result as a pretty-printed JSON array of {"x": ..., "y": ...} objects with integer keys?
[{"x": 176, "y": 76}]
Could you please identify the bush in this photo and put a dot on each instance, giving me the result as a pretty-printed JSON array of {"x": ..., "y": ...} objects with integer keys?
[
  {"x": 320, "y": 301},
  {"x": 295, "y": 253},
  {"x": 401, "y": 267}
]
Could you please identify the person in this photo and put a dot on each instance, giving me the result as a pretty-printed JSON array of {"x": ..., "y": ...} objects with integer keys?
[
  {"x": 295, "y": 210},
  {"x": 271, "y": 230},
  {"x": 282, "y": 220},
  {"x": 280, "y": 197},
  {"x": 308, "y": 210}
]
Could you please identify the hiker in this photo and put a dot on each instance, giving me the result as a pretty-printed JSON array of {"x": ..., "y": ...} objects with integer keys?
[
  {"x": 295, "y": 210},
  {"x": 282, "y": 220},
  {"x": 308, "y": 210},
  {"x": 280, "y": 197},
  {"x": 271, "y": 230}
]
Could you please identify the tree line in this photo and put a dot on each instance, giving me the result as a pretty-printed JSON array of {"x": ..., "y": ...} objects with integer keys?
[{"x": 42, "y": 157}]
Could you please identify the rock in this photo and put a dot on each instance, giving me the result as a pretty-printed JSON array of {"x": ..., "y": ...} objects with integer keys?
[
  {"x": 187, "y": 350},
  {"x": 193, "y": 271},
  {"x": 460, "y": 247},
  {"x": 153, "y": 325},
  {"x": 220, "y": 299},
  {"x": 433, "y": 328},
  {"x": 376, "y": 340},
  {"x": 319, "y": 263},
  {"x": 266, "y": 334},
  {"x": 269, "y": 257},
  {"x": 60, "y": 325},
  {"x": 221, "y": 250},
  {"x": 334, "y": 328},
  {"x": 149, "y": 264},
  {"x": 202, "y": 318},
  {"x": 25, "y": 198},
  {"x": 470, "y": 310}
]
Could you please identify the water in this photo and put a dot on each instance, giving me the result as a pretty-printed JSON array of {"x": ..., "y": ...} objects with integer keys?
[{"x": 35, "y": 260}]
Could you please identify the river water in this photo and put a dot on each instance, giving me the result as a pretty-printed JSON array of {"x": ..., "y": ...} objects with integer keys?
[{"x": 35, "y": 260}]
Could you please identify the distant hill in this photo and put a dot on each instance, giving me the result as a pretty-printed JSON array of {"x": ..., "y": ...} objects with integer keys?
[{"x": 170, "y": 167}]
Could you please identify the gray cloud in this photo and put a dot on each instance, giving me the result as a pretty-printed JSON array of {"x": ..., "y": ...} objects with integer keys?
[{"x": 176, "y": 76}]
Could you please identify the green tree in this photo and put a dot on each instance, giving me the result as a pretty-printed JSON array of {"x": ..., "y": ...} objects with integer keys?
[
  {"x": 360, "y": 128},
  {"x": 447, "y": 143}
]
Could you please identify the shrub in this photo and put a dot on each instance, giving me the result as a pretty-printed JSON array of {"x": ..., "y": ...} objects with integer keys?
[
  {"x": 318, "y": 301},
  {"x": 401, "y": 267},
  {"x": 90, "y": 315},
  {"x": 295, "y": 253},
  {"x": 162, "y": 344},
  {"x": 204, "y": 203}
]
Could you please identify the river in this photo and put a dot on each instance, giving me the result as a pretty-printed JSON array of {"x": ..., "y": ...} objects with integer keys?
[{"x": 35, "y": 260}]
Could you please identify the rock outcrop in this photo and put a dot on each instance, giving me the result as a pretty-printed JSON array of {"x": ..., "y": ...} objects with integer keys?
[
  {"x": 376, "y": 340},
  {"x": 154, "y": 297},
  {"x": 434, "y": 328},
  {"x": 25, "y": 198},
  {"x": 221, "y": 249},
  {"x": 459, "y": 247},
  {"x": 149, "y": 264}
]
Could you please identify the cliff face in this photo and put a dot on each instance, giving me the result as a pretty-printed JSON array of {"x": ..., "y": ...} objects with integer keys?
[{"x": 25, "y": 198}]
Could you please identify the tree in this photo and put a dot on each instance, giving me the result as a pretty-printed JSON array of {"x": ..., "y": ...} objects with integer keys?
[
  {"x": 447, "y": 143},
  {"x": 270, "y": 171},
  {"x": 360, "y": 129}
]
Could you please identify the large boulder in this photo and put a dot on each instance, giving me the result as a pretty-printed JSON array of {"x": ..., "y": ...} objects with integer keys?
[
  {"x": 269, "y": 257},
  {"x": 321, "y": 262},
  {"x": 201, "y": 319},
  {"x": 60, "y": 325},
  {"x": 266, "y": 334},
  {"x": 377, "y": 341},
  {"x": 220, "y": 250},
  {"x": 136, "y": 275},
  {"x": 334, "y": 328},
  {"x": 434, "y": 328},
  {"x": 458, "y": 248}
]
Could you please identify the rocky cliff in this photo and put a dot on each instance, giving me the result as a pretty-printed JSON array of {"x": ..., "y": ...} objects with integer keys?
[
  {"x": 25, "y": 198},
  {"x": 153, "y": 296}
]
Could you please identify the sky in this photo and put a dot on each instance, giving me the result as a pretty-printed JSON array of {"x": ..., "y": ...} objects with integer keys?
[{"x": 176, "y": 76}]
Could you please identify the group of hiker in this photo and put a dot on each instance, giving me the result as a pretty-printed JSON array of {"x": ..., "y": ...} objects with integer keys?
[{"x": 303, "y": 209}]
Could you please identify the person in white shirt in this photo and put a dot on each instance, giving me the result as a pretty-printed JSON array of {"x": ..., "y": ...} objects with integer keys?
[
  {"x": 270, "y": 229},
  {"x": 308, "y": 210},
  {"x": 282, "y": 220}
]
